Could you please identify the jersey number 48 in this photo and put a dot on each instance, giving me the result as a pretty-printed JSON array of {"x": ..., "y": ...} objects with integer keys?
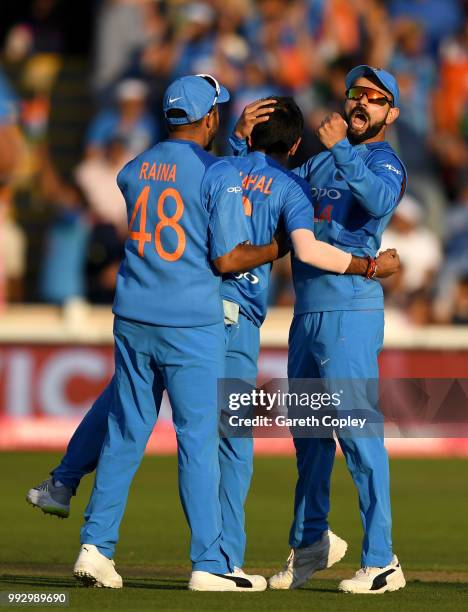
[{"x": 142, "y": 236}]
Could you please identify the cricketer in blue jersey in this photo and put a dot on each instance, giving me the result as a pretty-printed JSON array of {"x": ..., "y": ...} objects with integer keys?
[
  {"x": 186, "y": 227},
  {"x": 270, "y": 194},
  {"x": 337, "y": 330}
]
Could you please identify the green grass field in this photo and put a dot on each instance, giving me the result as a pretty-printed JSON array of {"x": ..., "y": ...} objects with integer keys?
[{"x": 430, "y": 501}]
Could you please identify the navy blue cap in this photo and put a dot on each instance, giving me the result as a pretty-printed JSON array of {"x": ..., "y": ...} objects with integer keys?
[
  {"x": 195, "y": 95},
  {"x": 387, "y": 80}
]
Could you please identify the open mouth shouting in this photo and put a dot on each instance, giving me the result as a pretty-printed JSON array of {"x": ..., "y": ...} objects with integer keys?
[{"x": 359, "y": 120}]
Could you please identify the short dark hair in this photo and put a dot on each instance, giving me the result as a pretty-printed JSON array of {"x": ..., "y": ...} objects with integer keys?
[
  {"x": 178, "y": 113},
  {"x": 281, "y": 131}
]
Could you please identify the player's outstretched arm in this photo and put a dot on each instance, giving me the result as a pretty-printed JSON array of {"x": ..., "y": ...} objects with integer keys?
[
  {"x": 319, "y": 254},
  {"x": 244, "y": 257},
  {"x": 386, "y": 264},
  {"x": 327, "y": 257}
]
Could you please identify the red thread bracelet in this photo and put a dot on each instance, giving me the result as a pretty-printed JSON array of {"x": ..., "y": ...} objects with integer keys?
[{"x": 371, "y": 267}]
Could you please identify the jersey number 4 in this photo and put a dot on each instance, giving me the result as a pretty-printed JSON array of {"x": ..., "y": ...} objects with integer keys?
[{"x": 142, "y": 236}]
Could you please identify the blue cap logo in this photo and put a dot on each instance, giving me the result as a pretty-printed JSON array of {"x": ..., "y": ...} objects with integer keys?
[{"x": 193, "y": 96}]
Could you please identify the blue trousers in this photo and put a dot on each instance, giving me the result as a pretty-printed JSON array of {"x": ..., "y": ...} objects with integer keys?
[
  {"x": 235, "y": 455},
  {"x": 340, "y": 344}
]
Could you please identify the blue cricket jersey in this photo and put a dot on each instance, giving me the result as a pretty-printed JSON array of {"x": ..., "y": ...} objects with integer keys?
[
  {"x": 271, "y": 194},
  {"x": 355, "y": 190},
  {"x": 184, "y": 210}
]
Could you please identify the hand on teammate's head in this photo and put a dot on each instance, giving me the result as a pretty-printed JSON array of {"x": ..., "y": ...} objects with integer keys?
[{"x": 256, "y": 112}]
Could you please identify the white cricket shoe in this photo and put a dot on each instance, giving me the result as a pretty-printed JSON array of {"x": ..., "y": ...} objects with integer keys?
[
  {"x": 374, "y": 580},
  {"x": 238, "y": 580},
  {"x": 93, "y": 568},
  {"x": 51, "y": 498},
  {"x": 302, "y": 563}
]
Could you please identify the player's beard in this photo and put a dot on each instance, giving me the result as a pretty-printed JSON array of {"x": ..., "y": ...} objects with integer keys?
[
  {"x": 371, "y": 131},
  {"x": 213, "y": 130}
]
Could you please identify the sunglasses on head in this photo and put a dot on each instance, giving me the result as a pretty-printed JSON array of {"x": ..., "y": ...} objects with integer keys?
[
  {"x": 373, "y": 96},
  {"x": 214, "y": 83}
]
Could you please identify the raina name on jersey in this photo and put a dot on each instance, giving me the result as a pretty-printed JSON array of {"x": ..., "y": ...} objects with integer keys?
[{"x": 158, "y": 172}]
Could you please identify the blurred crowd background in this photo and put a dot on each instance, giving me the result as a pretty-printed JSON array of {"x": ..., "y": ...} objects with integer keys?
[{"x": 81, "y": 85}]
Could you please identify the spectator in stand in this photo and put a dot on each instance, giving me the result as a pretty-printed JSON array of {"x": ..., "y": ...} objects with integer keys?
[
  {"x": 42, "y": 26},
  {"x": 416, "y": 71},
  {"x": 440, "y": 18},
  {"x": 96, "y": 176},
  {"x": 84, "y": 242},
  {"x": 450, "y": 140},
  {"x": 456, "y": 238},
  {"x": 10, "y": 136},
  {"x": 197, "y": 40},
  {"x": 130, "y": 121},
  {"x": 453, "y": 92},
  {"x": 455, "y": 267},
  {"x": 154, "y": 63},
  {"x": 232, "y": 49},
  {"x": 377, "y": 32},
  {"x": 322, "y": 98},
  {"x": 341, "y": 33},
  {"x": 105, "y": 252},
  {"x": 121, "y": 31},
  {"x": 62, "y": 274},
  {"x": 256, "y": 84},
  {"x": 420, "y": 255},
  {"x": 420, "y": 251},
  {"x": 417, "y": 76},
  {"x": 280, "y": 34},
  {"x": 12, "y": 238},
  {"x": 12, "y": 248},
  {"x": 460, "y": 307}
]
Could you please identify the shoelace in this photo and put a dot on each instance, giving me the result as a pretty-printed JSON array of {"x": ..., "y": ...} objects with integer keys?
[
  {"x": 289, "y": 562},
  {"x": 44, "y": 486},
  {"x": 364, "y": 571}
]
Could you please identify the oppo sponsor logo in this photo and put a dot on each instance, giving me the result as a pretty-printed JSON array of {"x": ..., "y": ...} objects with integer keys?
[
  {"x": 320, "y": 192},
  {"x": 248, "y": 276}
]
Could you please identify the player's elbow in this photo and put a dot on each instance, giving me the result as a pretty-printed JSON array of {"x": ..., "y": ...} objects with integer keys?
[
  {"x": 379, "y": 213},
  {"x": 382, "y": 206}
]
